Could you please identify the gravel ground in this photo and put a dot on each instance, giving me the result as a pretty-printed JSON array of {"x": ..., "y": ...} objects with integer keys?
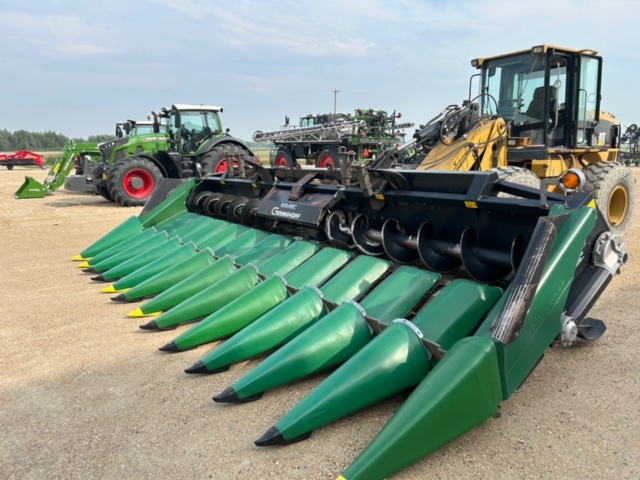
[{"x": 85, "y": 394}]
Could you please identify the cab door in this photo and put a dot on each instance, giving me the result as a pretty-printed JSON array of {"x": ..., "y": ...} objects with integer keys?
[{"x": 588, "y": 100}]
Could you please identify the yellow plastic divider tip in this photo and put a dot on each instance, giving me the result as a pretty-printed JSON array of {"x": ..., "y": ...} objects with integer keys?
[
  {"x": 84, "y": 265},
  {"x": 139, "y": 313},
  {"x": 109, "y": 289},
  {"x": 341, "y": 478},
  {"x": 78, "y": 258}
]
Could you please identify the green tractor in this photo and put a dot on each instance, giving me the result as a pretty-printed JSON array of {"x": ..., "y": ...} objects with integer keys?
[
  {"x": 187, "y": 141},
  {"x": 132, "y": 138}
]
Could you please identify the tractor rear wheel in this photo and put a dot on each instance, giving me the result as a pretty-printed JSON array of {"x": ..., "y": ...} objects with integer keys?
[
  {"x": 132, "y": 181},
  {"x": 216, "y": 160},
  {"x": 614, "y": 190},
  {"x": 328, "y": 158},
  {"x": 99, "y": 184},
  {"x": 283, "y": 158},
  {"x": 9, "y": 167}
]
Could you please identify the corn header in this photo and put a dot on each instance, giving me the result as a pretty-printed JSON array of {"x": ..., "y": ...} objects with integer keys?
[{"x": 451, "y": 284}]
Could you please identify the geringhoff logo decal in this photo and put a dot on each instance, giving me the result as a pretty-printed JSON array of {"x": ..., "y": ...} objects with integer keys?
[{"x": 282, "y": 213}]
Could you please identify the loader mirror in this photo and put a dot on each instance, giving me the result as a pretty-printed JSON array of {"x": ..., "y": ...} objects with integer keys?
[
  {"x": 178, "y": 119},
  {"x": 492, "y": 71}
]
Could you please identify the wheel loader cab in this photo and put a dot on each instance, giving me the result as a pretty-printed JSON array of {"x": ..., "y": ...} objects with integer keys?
[{"x": 549, "y": 95}]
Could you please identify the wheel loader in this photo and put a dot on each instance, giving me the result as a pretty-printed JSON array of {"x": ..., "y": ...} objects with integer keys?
[
  {"x": 537, "y": 116},
  {"x": 449, "y": 283}
]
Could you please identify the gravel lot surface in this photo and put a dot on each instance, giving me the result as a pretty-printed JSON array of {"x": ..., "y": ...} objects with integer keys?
[{"x": 84, "y": 393}]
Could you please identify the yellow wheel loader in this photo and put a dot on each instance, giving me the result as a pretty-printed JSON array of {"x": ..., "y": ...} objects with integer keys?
[{"x": 537, "y": 117}]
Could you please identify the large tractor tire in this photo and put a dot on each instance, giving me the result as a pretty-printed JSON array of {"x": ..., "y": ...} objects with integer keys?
[
  {"x": 328, "y": 158},
  {"x": 614, "y": 190},
  {"x": 132, "y": 181},
  {"x": 99, "y": 184},
  {"x": 518, "y": 175},
  {"x": 284, "y": 158},
  {"x": 216, "y": 159}
]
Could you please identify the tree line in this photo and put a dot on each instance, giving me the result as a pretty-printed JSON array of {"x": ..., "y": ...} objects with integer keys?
[{"x": 41, "y": 141}]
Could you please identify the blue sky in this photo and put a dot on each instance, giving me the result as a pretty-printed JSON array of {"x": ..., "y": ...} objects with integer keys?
[{"x": 80, "y": 66}]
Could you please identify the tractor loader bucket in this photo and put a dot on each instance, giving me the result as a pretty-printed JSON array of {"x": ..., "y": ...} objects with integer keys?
[
  {"x": 452, "y": 284},
  {"x": 31, "y": 188},
  {"x": 58, "y": 171}
]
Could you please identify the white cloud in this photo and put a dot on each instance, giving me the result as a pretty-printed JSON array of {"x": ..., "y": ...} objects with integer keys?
[{"x": 55, "y": 33}]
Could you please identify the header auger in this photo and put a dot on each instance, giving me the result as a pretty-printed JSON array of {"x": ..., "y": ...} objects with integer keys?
[{"x": 308, "y": 264}]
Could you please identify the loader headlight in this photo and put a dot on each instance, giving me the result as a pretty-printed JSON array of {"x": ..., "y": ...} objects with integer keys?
[{"x": 571, "y": 180}]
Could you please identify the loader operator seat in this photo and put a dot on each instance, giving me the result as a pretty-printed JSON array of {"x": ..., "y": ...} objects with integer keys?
[
  {"x": 535, "y": 126},
  {"x": 536, "y": 107}
]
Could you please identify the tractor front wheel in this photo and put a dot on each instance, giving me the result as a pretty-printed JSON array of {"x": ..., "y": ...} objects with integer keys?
[
  {"x": 99, "y": 184},
  {"x": 614, "y": 190},
  {"x": 132, "y": 181}
]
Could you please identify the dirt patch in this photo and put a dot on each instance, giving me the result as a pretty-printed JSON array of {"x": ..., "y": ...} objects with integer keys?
[{"x": 85, "y": 394}]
